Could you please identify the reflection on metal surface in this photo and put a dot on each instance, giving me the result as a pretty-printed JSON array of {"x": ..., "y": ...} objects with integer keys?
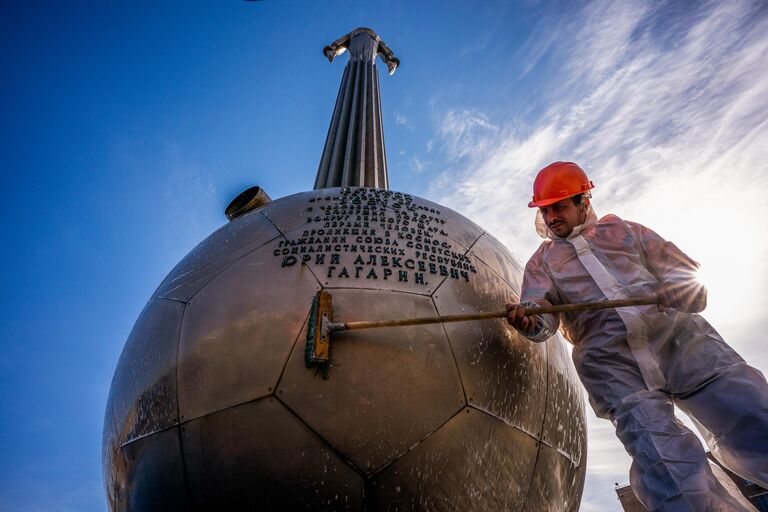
[
  {"x": 293, "y": 211},
  {"x": 152, "y": 478},
  {"x": 564, "y": 426},
  {"x": 259, "y": 456},
  {"x": 143, "y": 394},
  {"x": 238, "y": 332},
  {"x": 113, "y": 463},
  {"x": 503, "y": 373},
  {"x": 561, "y": 464},
  {"x": 215, "y": 253},
  {"x": 389, "y": 388},
  {"x": 556, "y": 484},
  {"x": 473, "y": 462},
  {"x": 255, "y": 424},
  {"x": 493, "y": 253}
]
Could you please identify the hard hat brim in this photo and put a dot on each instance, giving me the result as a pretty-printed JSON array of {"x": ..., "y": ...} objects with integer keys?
[{"x": 553, "y": 200}]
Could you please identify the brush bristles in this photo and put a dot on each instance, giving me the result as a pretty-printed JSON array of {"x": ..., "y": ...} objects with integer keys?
[{"x": 309, "y": 348}]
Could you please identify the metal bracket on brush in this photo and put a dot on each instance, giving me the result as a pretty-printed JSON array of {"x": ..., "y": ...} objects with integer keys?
[
  {"x": 327, "y": 327},
  {"x": 318, "y": 347}
]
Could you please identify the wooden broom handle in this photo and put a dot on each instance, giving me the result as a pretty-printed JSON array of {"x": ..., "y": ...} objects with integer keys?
[{"x": 543, "y": 310}]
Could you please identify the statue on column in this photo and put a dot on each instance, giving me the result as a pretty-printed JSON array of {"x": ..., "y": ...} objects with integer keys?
[{"x": 354, "y": 154}]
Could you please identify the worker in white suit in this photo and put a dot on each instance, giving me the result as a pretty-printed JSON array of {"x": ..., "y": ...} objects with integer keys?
[{"x": 638, "y": 362}]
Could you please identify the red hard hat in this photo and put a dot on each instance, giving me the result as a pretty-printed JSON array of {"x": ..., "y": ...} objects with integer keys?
[{"x": 558, "y": 181}]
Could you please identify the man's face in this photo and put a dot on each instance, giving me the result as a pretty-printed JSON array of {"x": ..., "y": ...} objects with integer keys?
[{"x": 563, "y": 216}]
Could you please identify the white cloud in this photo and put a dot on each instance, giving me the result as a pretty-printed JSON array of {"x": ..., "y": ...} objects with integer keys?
[
  {"x": 400, "y": 119},
  {"x": 669, "y": 116},
  {"x": 417, "y": 165},
  {"x": 465, "y": 132}
]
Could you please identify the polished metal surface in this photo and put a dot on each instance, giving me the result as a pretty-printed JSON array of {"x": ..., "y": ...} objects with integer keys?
[
  {"x": 390, "y": 426},
  {"x": 112, "y": 463},
  {"x": 441, "y": 220},
  {"x": 473, "y": 462},
  {"x": 502, "y": 372},
  {"x": 143, "y": 397},
  {"x": 354, "y": 154},
  {"x": 493, "y": 253},
  {"x": 259, "y": 456},
  {"x": 238, "y": 332},
  {"x": 389, "y": 388},
  {"x": 564, "y": 427},
  {"x": 561, "y": 464},
  {"x": 295, "y": 210},
  {"x": 149, "y": 475},
  {"x": 226, "y": 245},
  {"x": 556, "y": 485}
]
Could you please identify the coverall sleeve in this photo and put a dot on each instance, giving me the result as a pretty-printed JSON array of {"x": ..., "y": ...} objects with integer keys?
[
  {"x": 671, "y": 265},
  {"x": 539, "y": 290}
]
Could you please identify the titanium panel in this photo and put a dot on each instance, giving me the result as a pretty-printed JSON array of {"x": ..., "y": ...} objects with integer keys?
[
  {"x": 113, "y": 463},
  {"x": 292, "y": 211},
  {"x": 439, "y": 222},
  {"x": 472, "y": 463},
  {"x": 459, "y": 228},
  {"x": 154, "y": 478},
  {"x": 259, "y": 456},
  {"x": 226, "y": 245},
  {"x": 503, "y": 373},
  {"x": 565, "y": 424},
  {"x": 238, "y": 332},
  {"x": 387, "y": 388},
  {"x": 557, "y": 483},
  {"x": 494, "y": 254},
  {"x": 143, "y": 393}
]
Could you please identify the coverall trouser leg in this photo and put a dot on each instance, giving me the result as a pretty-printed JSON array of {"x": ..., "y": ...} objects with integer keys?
[
  {"x": 670, "y": 471},
  {"x": 733, "y": 410}
]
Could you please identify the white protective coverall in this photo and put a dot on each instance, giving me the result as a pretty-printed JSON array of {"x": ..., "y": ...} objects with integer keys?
[{"x": 636, "y": 363}]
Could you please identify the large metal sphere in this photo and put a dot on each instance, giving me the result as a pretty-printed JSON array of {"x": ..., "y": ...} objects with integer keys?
[{"x": 212, "y": 408}]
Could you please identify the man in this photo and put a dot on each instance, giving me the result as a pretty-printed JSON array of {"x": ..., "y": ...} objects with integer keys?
[{"x": 637, "y": 363}]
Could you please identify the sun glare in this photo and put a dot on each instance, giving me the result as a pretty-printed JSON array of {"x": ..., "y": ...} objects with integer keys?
[{"x": 701, "y": 276}]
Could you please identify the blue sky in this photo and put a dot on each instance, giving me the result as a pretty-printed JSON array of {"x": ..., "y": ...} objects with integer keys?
[{"x": 127, "y": 127}]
